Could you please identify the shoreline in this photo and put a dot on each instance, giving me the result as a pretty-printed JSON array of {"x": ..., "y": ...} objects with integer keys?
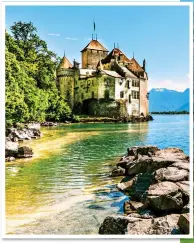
[{"x": 156, "y": 182}]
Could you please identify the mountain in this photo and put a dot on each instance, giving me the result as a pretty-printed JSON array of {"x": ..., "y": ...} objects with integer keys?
[
  {"x": 184, "y": 107},
  {"x": 162, "y": 99}
]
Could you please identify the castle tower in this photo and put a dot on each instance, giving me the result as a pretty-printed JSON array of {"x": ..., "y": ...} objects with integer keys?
[
  {"x": 65, "y": 80},
  {"x": 92, "y": 54}
]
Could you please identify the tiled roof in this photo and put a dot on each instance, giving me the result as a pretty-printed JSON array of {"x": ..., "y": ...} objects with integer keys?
[
  {"x": 128, "y": 72},
  {"x": 65, "y": 63},
  {"x": 134, "y": 66},
  {"x": 115, "y": 52},
  {"x": 95, "y": 45}
]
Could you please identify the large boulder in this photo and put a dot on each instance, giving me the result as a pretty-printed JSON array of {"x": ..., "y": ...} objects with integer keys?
[
  {"x": 24, "y": 152},
  {"x": 126, "y": 184},
  {"x": 140, "y": 186},
  {"x": 125, "y": 160},
  {"x": 181, "y": 165},
  {"x": 11, "y": 149},
  {"x": 132, "y": 206},
  {"x": 142, "y": 150},
  {"x": 172, "y": 154},
  {"x": 171, "y": 174},
  {"x": 114, "y": 226},
  {"x": 165, "y": 225},
  {"x": 36, "y": 132},
  {"x": 20, "y": 134},
  {"x": 136, "y": 186},
  {"x": 164, "y": 197},
  {"x": 135, "y": 224},
  {"x": 156, "y": 226},
  {"x": 9, "y": 159},
  {"x": 118, "y": 171},
  {"x": 156, "y": 160},
  {"x": 140, "y": 227},
  {"x": 184, "y": 188},
  {"x": 183, "y": 223}
]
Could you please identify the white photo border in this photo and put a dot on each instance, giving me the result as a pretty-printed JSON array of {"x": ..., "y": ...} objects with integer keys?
[{"x": 2, "y": 107}]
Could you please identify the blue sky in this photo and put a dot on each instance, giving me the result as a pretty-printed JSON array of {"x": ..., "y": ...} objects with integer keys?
[{"x": 160, "y": 34}]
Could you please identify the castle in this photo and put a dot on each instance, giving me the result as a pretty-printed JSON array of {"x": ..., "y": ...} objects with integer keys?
[{"x": 108, "y": 83}]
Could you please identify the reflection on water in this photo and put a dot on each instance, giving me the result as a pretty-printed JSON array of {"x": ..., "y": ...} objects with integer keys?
[{"x": 69, "y": 174}]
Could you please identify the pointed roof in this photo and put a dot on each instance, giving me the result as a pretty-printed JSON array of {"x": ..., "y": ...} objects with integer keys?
[
  {"x": 115, "y": 52},
  {"x": 134, "y": 65},
  {"x": 65, "y": 63},
  {"x": 95, "y": 45}
]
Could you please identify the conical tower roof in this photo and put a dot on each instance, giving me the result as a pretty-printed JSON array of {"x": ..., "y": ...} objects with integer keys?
[{"x": 65, "y": 63}]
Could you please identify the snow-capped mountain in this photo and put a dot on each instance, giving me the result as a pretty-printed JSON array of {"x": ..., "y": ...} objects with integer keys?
[{"x": 162, "y": 99}]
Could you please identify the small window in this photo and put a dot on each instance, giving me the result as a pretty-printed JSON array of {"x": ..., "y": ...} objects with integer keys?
[
  {"x": 106, "y": 94},
  {"x": 128, "y": 84},
  {"x": 121, "y": 94},
  {"x": 92, "y": 94},
  {"x": 135, "y": 94},
  {"x": 129, "y": 98}
]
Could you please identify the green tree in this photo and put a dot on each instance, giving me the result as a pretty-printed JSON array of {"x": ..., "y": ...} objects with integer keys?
[{"x": 31, "y": 92}]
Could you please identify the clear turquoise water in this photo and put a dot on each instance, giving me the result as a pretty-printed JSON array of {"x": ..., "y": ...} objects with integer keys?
[{"x": 81, "y": 168}]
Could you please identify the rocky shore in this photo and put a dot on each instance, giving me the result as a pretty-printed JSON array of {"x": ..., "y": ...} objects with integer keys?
[
  {"x": 157, "y": 184},
  {"x": 14, "y": 139},
  {"x": 132, "y": 119}
]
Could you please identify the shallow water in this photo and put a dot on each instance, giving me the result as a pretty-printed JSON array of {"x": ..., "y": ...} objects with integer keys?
[{"x": 65, "y": 188}]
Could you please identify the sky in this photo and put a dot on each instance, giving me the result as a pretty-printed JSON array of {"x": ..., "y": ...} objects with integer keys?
[{"x": 160, "y": 34}]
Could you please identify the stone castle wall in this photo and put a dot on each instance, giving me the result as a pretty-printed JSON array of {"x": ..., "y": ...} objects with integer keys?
[
  {"x": 65, "y": 83},
  {"x": 91, "y": 58},
  {"x": 144, "y": 102}
]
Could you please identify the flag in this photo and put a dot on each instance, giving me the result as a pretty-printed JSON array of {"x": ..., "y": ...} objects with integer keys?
[{"x": 94, "y": 26}]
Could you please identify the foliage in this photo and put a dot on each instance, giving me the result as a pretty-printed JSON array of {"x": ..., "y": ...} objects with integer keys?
[{"x": 31, "y": 92}]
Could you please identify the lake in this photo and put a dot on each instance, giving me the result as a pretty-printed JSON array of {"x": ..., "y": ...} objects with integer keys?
[{"x": 66, "y": 188}]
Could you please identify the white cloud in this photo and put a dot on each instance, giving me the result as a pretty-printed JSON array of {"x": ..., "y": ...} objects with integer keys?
[
  {"x": 88, "y": 38},
  {"x": 53, "y": 34},
  {"x": 71, "y": 38}
]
